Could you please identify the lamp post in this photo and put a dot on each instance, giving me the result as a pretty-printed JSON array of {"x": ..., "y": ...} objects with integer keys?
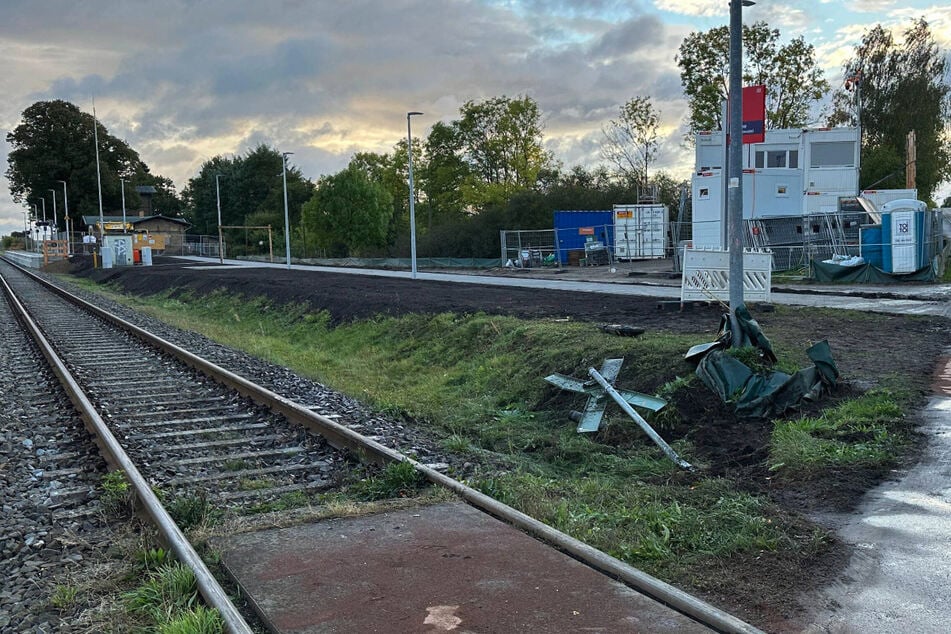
[
  {"x": 55, "y": 218},
  {"x": 33, "y": 231},
  {"x": 412, "y": 201},
  {"x": 221, "y": 245},
  {"x": 735, "y": 172},
  {"x": 69, "y": 248},
  {"x": 287, "y": 223},
  {"x": 43, "y": 200},
  {"x": 122, "y": 181}
]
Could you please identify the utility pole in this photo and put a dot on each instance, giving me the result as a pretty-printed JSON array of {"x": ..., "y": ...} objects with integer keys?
[{"x": 735, "y": 187}]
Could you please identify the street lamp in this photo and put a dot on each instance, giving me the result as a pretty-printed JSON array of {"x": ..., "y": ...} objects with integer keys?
[
  {"x": 55, "y": 219},
  {"x": 287, "y": 222},
  {"x": 221, "y": 250},
  {"x": 66, "y": 205},
  {"x": 412, "y": 202},
  {"x": 735, "y": 164},
  {"x": 122, "y": 181}
]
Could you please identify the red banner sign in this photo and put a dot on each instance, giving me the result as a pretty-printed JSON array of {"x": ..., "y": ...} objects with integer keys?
[{"x": 754, "y": 114}]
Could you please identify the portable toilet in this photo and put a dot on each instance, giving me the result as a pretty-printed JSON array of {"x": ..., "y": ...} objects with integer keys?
[{"x": 904, "y": 236}]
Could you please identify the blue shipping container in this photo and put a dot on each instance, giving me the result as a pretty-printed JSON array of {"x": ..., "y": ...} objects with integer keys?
[{"x": 574, "y": 228}]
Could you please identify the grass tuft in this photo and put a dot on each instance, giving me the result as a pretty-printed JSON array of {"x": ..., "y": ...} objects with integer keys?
[
  {"x": 116, "y": 497},
  {"x": 396, "y": 480},
  {"x": 857, "y": 433}
]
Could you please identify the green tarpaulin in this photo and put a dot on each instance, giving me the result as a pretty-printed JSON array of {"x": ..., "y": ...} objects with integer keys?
[
  {"x": 765, "y": 394},
  {"x": 867, "y": 274}
]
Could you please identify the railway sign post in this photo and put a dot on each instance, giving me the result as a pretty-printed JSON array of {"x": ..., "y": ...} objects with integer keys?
[{"x": 600, "y": 389}]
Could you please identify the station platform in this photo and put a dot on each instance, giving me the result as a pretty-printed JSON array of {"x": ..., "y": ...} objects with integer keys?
[
  {"x": 439, "y": 568},
  {"x": 26, "y": 259}
]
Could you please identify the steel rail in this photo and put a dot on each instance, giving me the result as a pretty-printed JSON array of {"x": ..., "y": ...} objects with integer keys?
[
  {"x": 343, "y": 437},
  {"x": 116, "y": 456}
]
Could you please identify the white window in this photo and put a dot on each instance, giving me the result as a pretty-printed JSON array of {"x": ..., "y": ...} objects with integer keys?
[
  {"x": 704, "y": 193},
  {"x": 776, "y": 159},
  {"x": 782, "y": 191}
]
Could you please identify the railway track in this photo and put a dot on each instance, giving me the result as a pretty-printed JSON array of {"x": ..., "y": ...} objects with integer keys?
[{"x": 198, "y": 431}]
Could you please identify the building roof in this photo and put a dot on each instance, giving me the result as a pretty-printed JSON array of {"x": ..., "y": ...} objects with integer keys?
[
  {"x": 145, "y": 189},
  {"x": 134, "y": 220}
]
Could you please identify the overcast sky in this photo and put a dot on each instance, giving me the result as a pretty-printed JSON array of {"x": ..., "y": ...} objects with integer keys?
[{"x": 184, "y": 80}]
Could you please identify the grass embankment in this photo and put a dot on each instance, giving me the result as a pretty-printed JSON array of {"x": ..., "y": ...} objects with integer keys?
[{"x": 477, "y": 382}]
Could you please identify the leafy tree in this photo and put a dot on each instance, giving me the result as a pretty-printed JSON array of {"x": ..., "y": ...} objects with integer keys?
[
  {"x": 443, "y": 173},
  {"x": 501, "y": 141},
  {"x": 349, "y": 213},
  {"x": 902, "y": 87},
  {"x": 794, "y": 81},
  {"x": 630, "y": 141},
  {"x": 54, "y": 142},
  {"x": 201, "y": 198},
  {"x": 252, "y": 192}
]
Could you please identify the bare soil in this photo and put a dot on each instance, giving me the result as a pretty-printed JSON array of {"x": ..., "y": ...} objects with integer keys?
[{"x": 767, "y": 588}]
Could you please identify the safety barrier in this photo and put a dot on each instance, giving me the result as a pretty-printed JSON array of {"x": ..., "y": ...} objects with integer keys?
[{"x": 707, "y": 275}]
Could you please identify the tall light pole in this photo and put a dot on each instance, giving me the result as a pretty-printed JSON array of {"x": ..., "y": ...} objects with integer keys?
[
  {"x": 122, "y": 184},
  {"x": 287, "y": 223},
  {"x": 55, "y": 219},
  {"x": 69, "y": 248},
  {"x": 735, "y": 173},
  {"x": 95, "y": 136},
  {"x": 221, "y": 245},
  {"x": 412, "y": 199}
]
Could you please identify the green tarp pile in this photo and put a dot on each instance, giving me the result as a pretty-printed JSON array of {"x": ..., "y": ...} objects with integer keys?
[
  {"x": 867, "y": 274},
  {"x": 765, "y": 394}
]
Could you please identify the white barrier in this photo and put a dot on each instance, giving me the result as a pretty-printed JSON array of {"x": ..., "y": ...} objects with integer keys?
[{"x": 707, "y": 275}]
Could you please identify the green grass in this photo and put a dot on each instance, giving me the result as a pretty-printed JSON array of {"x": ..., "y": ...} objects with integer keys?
[
  {"x": 477, "y": 382},
  {"x": 192, "y": 511},
  {"x": 657, "y": 526},
  {"x": 64, "y": 597},
  {"x": 395, "y": 480},
  {"x": 167, "y": 602},
  {"x": 116, "y": 497},
  {"x": 865, "y": 432}
]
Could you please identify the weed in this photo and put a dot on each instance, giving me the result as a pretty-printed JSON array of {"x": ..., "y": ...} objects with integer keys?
[
  {"x": 63, "y": 597},
  {"x": 117, "y": 497},
  {"x": 249, "y": 484},
  {"x": 397, "y": 479},
  {"x": 292, "y": 500},
  {"x": 169, "y": 591},
  {"x": 192, "y": 511},
  {"x": 198, "y": 620},
  {"x": 235, "y": 464},
  {"x": 153, "y": 559},
  {"x": 456, "y": 444}
]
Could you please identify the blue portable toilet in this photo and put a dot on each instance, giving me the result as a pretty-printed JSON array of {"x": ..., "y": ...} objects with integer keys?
[
  {"x": 904, "y": 247},
  {"x": 573, "y": 228}
]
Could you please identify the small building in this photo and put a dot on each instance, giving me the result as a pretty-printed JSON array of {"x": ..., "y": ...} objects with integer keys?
[
  {"x": 167, "y": 233},
  {"x": 792, "y": 173}
]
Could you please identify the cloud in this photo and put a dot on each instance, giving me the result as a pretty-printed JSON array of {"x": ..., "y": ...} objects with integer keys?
[{"x": 182, "y": 81}]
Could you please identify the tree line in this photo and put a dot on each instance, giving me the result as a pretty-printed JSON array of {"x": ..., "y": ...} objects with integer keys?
[{"x": 488, "y": 169}]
